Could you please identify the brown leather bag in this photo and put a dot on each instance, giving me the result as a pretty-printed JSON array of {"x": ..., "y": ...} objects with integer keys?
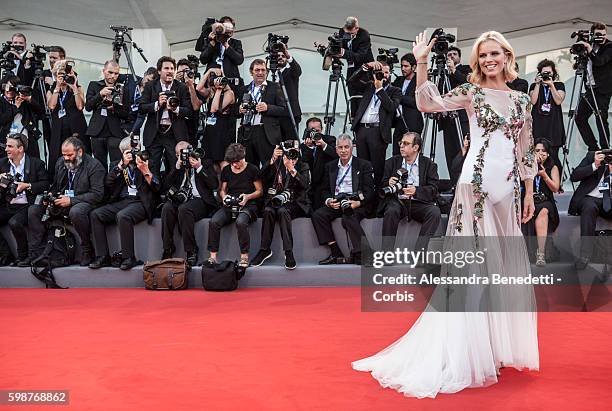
[{"x": 168, "y": 274}]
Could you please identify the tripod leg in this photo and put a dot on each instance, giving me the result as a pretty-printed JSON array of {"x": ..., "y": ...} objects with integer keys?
[
  {"x": 329, "y": 122},
  {"x": 282, "y": 84},
  {"x": 346, "y": 99}
]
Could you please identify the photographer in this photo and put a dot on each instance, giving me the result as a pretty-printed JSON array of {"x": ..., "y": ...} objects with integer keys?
[
  {"x": 22, "y": 59},
  {"x": 19, "y": 114},
  {"x": 286, "y": 180},
  {"x": 546, "y": 215},
  {"x": 375, "y": 113},
  {"x": 291, "y": 71},
  {"x": 220, "y": 129},
  {"x": 166, "y": 103},
  {"x": 599, "y": 79},
  {"x": 109, "y": 103},
  {"x": 263, "y": 132},
  {"x": 29, "y": 178},
  {"x": 547, "y": 95},
  {"x": 79, "y": 187},
  {"x": 348, "y": 191},
  {"x": 132, "y": 189},
  {"x": 197, "y": 180},
  {"x": 66, "y": 101},
  {"x": 317, "y": 150},
  {"x": 134, "y": 90},
  {"x": 240, "y": 191},
  {"x": 412, "y": 189},
  {"x": 185, "y": 72},
  {"x": 411, "y": 117},
  {"x": 222, "y": 50}
]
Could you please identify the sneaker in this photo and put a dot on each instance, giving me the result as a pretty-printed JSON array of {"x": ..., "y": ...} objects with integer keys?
[
  {"x": 261, "y": 257},
  {"x": 290, "y": 263}
]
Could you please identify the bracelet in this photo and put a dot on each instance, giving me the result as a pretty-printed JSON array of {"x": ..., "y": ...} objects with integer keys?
[{"x": 422, "y": 62}]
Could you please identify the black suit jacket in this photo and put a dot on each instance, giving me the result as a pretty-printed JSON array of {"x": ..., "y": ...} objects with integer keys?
[
  {"x": 206, "y": 181},
  {"x": 460, "y": 75},
  {"x": 30, "y": 113},
  {"x": 410, "y": 112},
  {"x": 147, "y": 194},
  {"x": 150, "y": 95},
  {"x": 359, "y": 52},
  {"x": 115, "y": 113},
  {"x": 389, "y": 102},
  {"x": 317, "y": 162},
  {"x": 291, "y": 78},
  {"x": 34, "y": 172},
  {"x": 272, "y": 95},
  {"x": 88, "y": 184},
  {"x": 589, "y": 180},
  {"x": 427, "y": 190},
  {"x": 602, "y": 67},
  {"x": 232, "y": 58},
  {"x": 362, "y": 176},
  {"x": 299, "y": 184},
  {"x": 26, "y": 75}
]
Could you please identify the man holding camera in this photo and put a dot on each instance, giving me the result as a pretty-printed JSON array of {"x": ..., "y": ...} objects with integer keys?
[
  {"x": 77, "y": 188},
  {"x": 19, "y": 114},
  {"x": 132, "y": 189},
  {"x": 317, "y": 150},
  {"x": 189, "y": 190},
  {"x": 221, "y": 49},
  {"x": 134, "y": 90},
  {"x": 185, "y": 72},
  {"x": 264, "y": 106},
  {"x": 286, "y": 180},
  {"x": 591, "y": 199},
  {"x": 166, "y": 103},
  {"x": 348, "y": 191},
  {"x": 412, "y": 188},
  {"x": 409, "y": 117},
  {"x": 599, "y": 88},
  {"x": 22, "y": 59},
  {"x": 375, "y": 114},
  {"x": 109, "y": 103},
  {"x": 22, "y": 178},
  {"x": 290, "y": 71}
]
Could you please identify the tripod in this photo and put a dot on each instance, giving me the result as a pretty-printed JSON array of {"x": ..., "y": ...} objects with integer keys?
[
  {"x": 40, "y": 81},
  {"x": 336, "y": 77},
  {"x": 281, "y": 81},
  {"x": 120, "y": 44},
  {"x": 439, "y": 76},
  {"x": 581, "y": 68}
]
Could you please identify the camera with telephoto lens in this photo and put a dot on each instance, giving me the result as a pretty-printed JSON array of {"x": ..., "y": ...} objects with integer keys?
[
  {"x": 173, "y": 100},
  {"x": 224, "y": 80},
  {"x": 402, "y": 175},
  {"x": 279, "y": 199},
  {"x": 330, "y": 53},
  {"x": 117, "y": 94},
  {"x": 8, "y": 186},
  {"x": 69, "y": 74},
  {"x": 580, "y": 50},
  {"x": 47, "y": 199},
  {"x": 276, "y": 44},
  {"x": 312, "y": 134},
  {"x": 291, "y": 149},
  {"x": 388, "y": 56},
  {"x": 443, "y": 41},
  {"x": 345, "y": 200},
  {"x": 7, "y": 57},
  {"x": 188, "y": 152},
  {"x": 545, "y": 76},
  {"x": 39, "y": 54},
  {"x": 179, "y": 195},
  {"x": 233, "y": 203},
  {"x": 607, "y": 152},
  {"x": 135, "y": 144}
]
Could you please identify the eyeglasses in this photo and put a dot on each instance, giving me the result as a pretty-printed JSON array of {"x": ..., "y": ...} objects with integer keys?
[{"x": 404, "y": 143}]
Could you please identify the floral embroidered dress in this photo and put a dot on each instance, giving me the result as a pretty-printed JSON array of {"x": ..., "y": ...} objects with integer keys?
[{"x": 445, "y": 352}]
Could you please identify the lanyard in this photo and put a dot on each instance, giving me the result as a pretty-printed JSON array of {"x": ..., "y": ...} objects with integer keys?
[
  {"x": 547, "y": 94},
  {"x": 339, "y": 183},
  {"x": 62, "y": 98},
  {"x": 71, "y": 175},
  {"x": 537, "y": 181},
  {"x": 132, "y": 177},
  {"x": 257, "y": 96},
  {"x": 137, "y": 94},
  {"x": 15, "y": 170}
]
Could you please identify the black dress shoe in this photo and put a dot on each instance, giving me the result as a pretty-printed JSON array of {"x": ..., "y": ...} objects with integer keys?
[
  {"x": 192, "y": 258},
  {"x": 290, "y": 263},
  {"x": 331, "y": 259},
  {"x": 86, "y": 259},
  {"x": 261, "y": 257},
  {"x": 99, "y": 262},
  {"x": 129, "y": 263}
]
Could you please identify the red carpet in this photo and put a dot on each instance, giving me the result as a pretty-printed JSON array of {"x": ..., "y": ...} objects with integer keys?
[{"x": 280, "y": 349}]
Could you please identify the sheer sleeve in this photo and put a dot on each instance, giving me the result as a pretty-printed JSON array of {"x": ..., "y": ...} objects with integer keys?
[
  {"x": 527, "y": 166},
  {"x": 429, "y": 100}
]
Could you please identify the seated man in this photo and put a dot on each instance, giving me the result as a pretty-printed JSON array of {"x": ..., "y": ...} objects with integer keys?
[
  {"x": 132, "y": 189},
  {"x": 197, "y": 180},
  {"x": 286, "y": 179},
  {"x": 30, "y": 178},
  {"x": 79, "y": 185},
  {"x": 590, "y": 200},
  {"x": 348, "y": 191},
  {"x": 412, "y": 190}
]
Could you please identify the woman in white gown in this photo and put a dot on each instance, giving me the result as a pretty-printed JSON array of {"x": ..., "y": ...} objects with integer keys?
[{"x": 445, "y": 352}]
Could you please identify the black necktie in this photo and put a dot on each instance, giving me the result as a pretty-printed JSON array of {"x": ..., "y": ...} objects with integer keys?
[{"x": 607, "y": 204}]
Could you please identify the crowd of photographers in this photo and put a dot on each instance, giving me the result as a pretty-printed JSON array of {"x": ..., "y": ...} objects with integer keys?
[{"x": 183, "y": 146}]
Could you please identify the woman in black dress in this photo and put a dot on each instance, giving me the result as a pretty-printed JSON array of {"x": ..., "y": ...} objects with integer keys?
[
  {"x": 547, "y": 95},
  {"x": 66, "y": 101},
  {"x": 546, "y": 216},
  {"x": 219, "y": 133}
]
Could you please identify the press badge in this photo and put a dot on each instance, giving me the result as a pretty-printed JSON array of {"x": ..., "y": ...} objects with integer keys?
[
  {"x": 546, "y": 107},
  {"x": 61, "y": 113},
  {"x": 604, "y": 186},
  {"x": 134, "y": 107},
  {"x": 103, "y": 112},
  {"x": 69, "y": 193},
  {"x": 132, "y": 192},
  {"x": 211, "y": 120}
]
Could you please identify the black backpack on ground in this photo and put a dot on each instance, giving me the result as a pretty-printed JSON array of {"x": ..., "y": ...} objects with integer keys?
[{"x": 59, "y": 252}]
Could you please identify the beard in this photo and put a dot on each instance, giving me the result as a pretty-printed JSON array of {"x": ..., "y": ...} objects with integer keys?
[{"x": 73, "y": 164}]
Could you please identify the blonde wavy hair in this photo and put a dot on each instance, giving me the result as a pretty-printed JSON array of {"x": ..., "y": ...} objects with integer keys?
[
  {"x": 477, "y": 76},
  {"x": 60, "y": 65}
]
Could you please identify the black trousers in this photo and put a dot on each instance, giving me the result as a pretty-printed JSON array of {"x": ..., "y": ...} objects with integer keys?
[
  {"x": 258, "y": 149},
  {"x": 371, "y": 147},
  {"x": 590, "y": 209},
  {"x": 322, "y": 222},
  {"x": 162, "y": 147},
  {"x": 427, "y": 214},
  {"x": 78, "y": 215},
  {"x": 16, "y": 215},
  {"x": 284, "y": 215},
  {"x": 452, "y": 140},
  {"x": 126, "y": 213},
  {"x": 104, "y": 146},
  {"x": 585, "y": 109},
  {"x": 186, "y": 214},
  {"x": 223, "y": 217},
  {"x": 316, "y": 195}
]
